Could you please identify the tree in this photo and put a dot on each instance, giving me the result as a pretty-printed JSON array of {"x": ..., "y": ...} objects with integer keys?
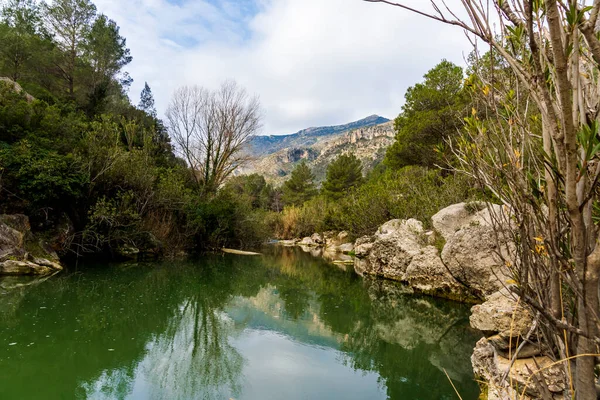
[
  {"x": 301, "y": 186},
  {"x": 147, "y": 101},
  {"x": 69, "y": 22},
  {"x": 550, "y": 180},
  {"x": 24, "y": 40},
  {"x": 253, "y": 187},
  {"x": 430, "y": 115},
  {"x": 343, "y": 174},
  {"x": 210, "y": 129},
  {"x": 106, "y": 51}
]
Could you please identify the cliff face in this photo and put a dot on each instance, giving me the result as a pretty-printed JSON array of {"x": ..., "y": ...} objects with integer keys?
[{"x": 368, "y": 143}]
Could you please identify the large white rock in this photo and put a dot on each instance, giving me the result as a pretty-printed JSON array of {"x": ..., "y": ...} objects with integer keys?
[
  {"x": 474, "y": 252},
  {"x": 452, "y": 218},
  {"x": 501, "y": 314},
  {"x": 399, "y": 251},
  {"x": 491, "y": 367}
]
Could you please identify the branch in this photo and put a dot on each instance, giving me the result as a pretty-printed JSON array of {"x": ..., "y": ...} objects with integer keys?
[
  {"x": 439, "y": 18},
  {"x": 548, "y": 315}
]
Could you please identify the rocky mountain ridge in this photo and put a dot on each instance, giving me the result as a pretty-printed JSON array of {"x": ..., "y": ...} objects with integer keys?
[{"x": 367, "y": 139}]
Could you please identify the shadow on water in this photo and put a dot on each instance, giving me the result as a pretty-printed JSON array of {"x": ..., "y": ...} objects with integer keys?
[{"x": 282, "y": 325}]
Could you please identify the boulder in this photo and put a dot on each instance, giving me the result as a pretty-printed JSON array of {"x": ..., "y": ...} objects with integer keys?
[
  {"x": 317, "y": 239},
  {"x": 505, "y": 323},
  {"x": 343, "y": 237},
  {"x": 474, "y": 253},
  {"x": 399, "y": 252},
  {"x": 306, "y": 242},
  {"x": 491, "y": 367},
  {"x": 346, "y": 248},
  {"x": 21, "y": 253},
  {"x": 501, "y": 314},
  {"x": 17, "y": 88},
  {"x": 452, "y": 218}
]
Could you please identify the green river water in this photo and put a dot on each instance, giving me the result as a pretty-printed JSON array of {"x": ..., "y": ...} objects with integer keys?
[{"x": 284, "y": 325}]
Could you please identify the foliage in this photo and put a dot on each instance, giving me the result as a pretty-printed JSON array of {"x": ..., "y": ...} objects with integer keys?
[
  {"x": 300, "y": 187},
  {"x": 147, "y": 101},
  {"x": 545, "y": 167},
  {"x": 411, "y": 192},
  {"x": 343, "y": 174},
  {"x": 430, "y": 116}
]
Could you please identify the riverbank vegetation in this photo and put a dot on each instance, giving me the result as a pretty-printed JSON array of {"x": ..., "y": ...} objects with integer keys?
[
  {"x": 533, "y": 142},
  {"x": 74, "y": 150}
]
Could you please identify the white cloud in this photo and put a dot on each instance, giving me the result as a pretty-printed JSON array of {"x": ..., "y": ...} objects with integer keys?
[{"x": 312, "y": 62}]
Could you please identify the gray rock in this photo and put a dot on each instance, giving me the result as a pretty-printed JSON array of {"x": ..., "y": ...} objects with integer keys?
[
  {"x": 17, "y": 88},
  {"x": 346, "y": 248},
  {"x": 452, "y": 218},
  {"x": 501, "y": 314},
  {"x": 20, "y": 252},
  {"x": 306, "y": 242},
  {"x": 491, "y": 367},
  {"x": 399, "y": 252},
  {"x": 475, "y": 252}
]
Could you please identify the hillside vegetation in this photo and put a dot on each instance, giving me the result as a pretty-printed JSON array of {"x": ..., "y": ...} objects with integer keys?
[{"x": 75, "y": 153}]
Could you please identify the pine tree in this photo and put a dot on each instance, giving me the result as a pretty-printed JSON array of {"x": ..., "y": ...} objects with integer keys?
[
  {"x": 147, "y": 101},
  {"x": 343, "y": 173},
  {"x": 300, "y": 187},
  {"x": 431, "y": 114},
  {"x": 69, "y": 22}
]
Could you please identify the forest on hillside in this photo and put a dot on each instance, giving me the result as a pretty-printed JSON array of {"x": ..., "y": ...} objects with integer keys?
[
  {"x": 74, "y": 150},
  {"x": 517, "y": 127}
]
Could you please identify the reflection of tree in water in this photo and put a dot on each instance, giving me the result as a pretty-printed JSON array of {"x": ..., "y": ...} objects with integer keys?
[
  {"x": 169, "y": 331},
  {"x": 193, "y": 359},
  {"x": 410, "y": 341}
]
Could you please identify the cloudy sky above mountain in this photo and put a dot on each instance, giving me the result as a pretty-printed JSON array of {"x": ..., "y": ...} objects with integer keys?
[{"x": 311, "y": 62}]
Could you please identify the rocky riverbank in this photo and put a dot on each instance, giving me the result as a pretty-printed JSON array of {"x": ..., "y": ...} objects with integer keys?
[
  {"x": 461, "y": 259},
  {"x": 21, "y": 252}
]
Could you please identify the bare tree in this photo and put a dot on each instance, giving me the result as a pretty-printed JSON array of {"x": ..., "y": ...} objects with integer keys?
[
  {"x": 210, "y": 129},
  {"x": 553, "y": 49}
]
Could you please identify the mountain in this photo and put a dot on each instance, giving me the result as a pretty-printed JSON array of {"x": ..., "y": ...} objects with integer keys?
[
  {"x": 264, "y": 145},
  {"x": 276, "y": 156}
]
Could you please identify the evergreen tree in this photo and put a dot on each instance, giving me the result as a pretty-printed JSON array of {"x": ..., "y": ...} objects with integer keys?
[
  {"x": 22, "y": 37},
  {"x": 343, "y": 173},
  {"x": 106, "y": 50},
  {"x": 69, "y": 22},
  {"x": 432, "y": 112},
  {"x": 301, "y": 186},
  {"x": 147, "y": 101}
]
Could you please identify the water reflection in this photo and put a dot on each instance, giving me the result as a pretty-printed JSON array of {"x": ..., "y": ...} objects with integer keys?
[{"x": 284, "y": 325}]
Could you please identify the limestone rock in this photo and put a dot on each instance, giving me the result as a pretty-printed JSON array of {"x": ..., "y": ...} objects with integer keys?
[
  {"x": 501, "y": 314},
  {"x": 17, "y": 88},
  {"x": 317, "y": 238},
  {"x": 491, "y": 367},
  {"x": 20, "y": 252},
  {"x": 306, "y": 242},
  {"x": 472, "y": 252},
  {"x": 397, "y": 251},
  {"x": 343, "y": 237},
  {"x": 346, "y": 248},
  {"x": 452, "y": 218}
]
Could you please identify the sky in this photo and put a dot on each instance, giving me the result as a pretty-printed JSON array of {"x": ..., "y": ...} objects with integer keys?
[{"x": 311, "y": 62}]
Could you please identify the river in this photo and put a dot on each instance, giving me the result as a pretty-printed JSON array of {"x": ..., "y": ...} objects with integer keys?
[{"x": 284, "y": 325}]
